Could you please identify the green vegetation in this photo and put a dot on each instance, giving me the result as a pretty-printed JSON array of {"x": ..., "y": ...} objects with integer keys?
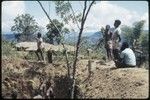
[
  {"x": 53, "y": 33},
  {"x": 95, "y": 54},
  {"x": 25, "y": 26},
  {"x": 138, "y": 39},
  {"x": 8, "y": 50},
  {"x": 144, "y": 41},
  {"x": 134, "y": 34}
]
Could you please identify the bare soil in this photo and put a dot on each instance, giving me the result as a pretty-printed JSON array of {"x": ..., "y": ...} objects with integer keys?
[{"x": 104, "y": 80}]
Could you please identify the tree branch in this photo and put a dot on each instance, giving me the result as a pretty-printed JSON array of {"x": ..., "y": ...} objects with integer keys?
[
  {"x": 67, "y": 61},
  {"x": 78, "y": 44},
  {"x": 49, "y": 17},
  {"x": 88, "y": 10},
  {"x": 74, "y": 15},
  {"x": 85, "y": 5}
]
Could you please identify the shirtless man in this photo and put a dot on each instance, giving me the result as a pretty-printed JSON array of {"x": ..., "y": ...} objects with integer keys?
[{"x": 108, "y": 42}]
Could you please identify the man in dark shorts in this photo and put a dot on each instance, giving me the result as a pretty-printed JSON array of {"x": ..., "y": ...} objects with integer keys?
[
  {"x": 39, "y": 46},
  {"x": 108, "y": 42},
  {"x": 116, "y": 31}
]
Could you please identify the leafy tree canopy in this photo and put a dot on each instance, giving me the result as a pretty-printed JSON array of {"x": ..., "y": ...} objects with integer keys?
[
  {"x": 53, "y": 32},
  {"x": 24, "y": 26}
]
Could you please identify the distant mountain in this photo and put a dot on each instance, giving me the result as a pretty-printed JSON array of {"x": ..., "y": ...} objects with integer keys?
[
  {"x": 71, "y": 37},
  {"x": 145, "y": 31},
  {"x": 90, "y": 37},
  {"x": 8, "y": 37}
]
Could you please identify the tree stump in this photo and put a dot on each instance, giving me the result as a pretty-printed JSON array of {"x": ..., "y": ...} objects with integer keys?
[{"x": 49, "y": 56}]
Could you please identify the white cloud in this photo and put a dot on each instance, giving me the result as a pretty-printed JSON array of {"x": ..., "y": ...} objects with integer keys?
[
  {"x": 10, "y": 9},
  {"x": 146, "y": 18},
  {"x": 104, "y": 13},
  {"x": 42, "y": 22},
  {"x": 100, "y": 14}
]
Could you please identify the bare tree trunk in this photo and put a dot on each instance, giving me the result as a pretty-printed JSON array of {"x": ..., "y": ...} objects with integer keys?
[
  {"x": 48, "y": 17},
  {"x": 84, "y": 16},
  {"x": 51, "y": 41},
  {"x": 50, "y": 56},
  {"x": 74, "y": 15},
  {"x": 67, "y": 61}
]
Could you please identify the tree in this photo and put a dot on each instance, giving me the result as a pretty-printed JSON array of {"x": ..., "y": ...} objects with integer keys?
[
  {"x": 25, "y": 26},
  {"x": 64, "y": 8},
  {"x": 144, "y": 41},
  {"x": 81, "y": 27},
  {"x": 59, "y": 33},
  {"x": 132, "y": 34},
  {"x": 138, "y": 28},
  {"x": 101, "y": 41},
  {"x": 127, "y": 34},
  {"x": 66, "y": 12},
  {"x": 138, "y": 40},
  {"x": 53, "y": 33}
]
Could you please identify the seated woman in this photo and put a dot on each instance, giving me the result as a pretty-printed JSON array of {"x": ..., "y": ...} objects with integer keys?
[{"x": 127, "y": 57}]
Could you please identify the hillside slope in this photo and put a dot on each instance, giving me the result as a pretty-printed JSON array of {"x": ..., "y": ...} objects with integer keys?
[{"x": 104, "y": 81}]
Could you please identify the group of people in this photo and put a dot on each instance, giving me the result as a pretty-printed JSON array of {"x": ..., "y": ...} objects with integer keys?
[{"x": 122, "y": 55}]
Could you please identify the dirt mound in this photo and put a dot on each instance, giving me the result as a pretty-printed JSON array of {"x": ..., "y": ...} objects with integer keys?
[
  {"x": 103, "y": 81},
  {"x": 108, "y": 82}
]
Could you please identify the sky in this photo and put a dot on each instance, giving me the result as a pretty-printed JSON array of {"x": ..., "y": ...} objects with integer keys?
[{"x": 101, "y": 14}]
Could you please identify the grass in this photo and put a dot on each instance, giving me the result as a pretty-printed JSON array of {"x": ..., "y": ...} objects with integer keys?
[{"x": 8, "y": 50}]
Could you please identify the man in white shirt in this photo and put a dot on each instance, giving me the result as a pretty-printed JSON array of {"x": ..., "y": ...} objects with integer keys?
[
  {"x": 127, "y": 57},
  {"x": 39, "y": 46},
  {"x": 116, "y": 38}
]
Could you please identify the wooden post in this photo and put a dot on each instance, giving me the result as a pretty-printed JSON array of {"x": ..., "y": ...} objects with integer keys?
[{"x": 49, "y": 56}]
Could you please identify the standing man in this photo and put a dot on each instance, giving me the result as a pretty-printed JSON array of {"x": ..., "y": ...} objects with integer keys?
[
  {"x": 116, "y": 39},
  {"x": 39, "y": 46}
]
